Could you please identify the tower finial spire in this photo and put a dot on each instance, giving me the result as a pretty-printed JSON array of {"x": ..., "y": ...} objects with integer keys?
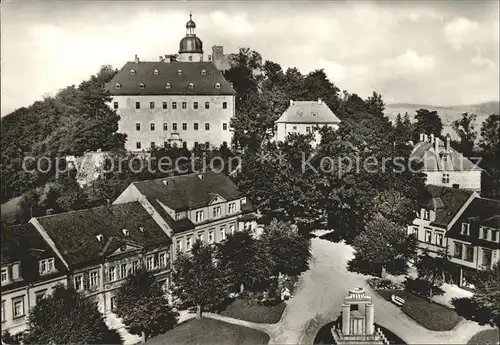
[{"x": 190, "y": 15}]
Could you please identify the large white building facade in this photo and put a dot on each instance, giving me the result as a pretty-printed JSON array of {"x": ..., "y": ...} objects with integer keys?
[{"x": 165, "y": 103}]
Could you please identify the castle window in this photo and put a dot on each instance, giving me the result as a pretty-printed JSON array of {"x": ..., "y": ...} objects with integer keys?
[
  {"x": 224, "y": 105},
  {"x": 195, "y": 105},
  {"x": 137, "y": 105},
  {"x": 152, "y": 126},
  {"x": 137, "y": 126},
  {"x": 224, "y": 126},
  {"x": 115, "y": 105},
  {"x": 184, "y": 105},
  {"x": 174, "y": 126},
  {"x": 217, "y": 85},
  {"x": 138, "y": 145},
  {"x": 151, "y": 105},
  {"x": 446, "y": 178},
  {"x": 190, "y": 58},
  {"x": 207, "y": 105},
  {"x": 132, "y": 71},
  {"x": 184, "y": 126},
  {"x": 156, "y": 72},
  {"x": 118, "y": 86},
  {"x": 207, "y": 126},
  {"x": 191, "y": 85},
  {"x": 168, "y": 86},
  {"x": 195, "y": 126},
  {"x": 141, "y": 86},
  {"x": 174, "y": 105},
  {"x": 203, "y": 72},
  {"x": 164, "y": 104},
  {"x": 179, "y": 72},
  {"x": 165, "y": 126}
]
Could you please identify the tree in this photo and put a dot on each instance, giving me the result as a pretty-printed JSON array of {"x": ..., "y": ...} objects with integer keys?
[
  {"x": 428, "y": 122},
  {"x": 433, "y": 270},
  {"x": 197, "y": 280},
  {"x": 66, "y": 317},
  {"x": 244, "y": 261},
  {"x": 464, "y": 127},
  {"x": 490, "y": 143},
  {"x": 383, "y": 244},
  {"x": 490, "y": 134},
  {"x": 142, "y": 306},
  {"x": 487, "y": 294},
  {"x": 289, "y": 250}
]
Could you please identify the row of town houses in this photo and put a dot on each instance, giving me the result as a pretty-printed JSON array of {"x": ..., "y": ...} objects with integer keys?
[{"x": 95, "y": 249}]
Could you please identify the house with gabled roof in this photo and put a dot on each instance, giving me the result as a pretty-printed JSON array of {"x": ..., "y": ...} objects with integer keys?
[
  {"x": 304, "y": 117},
  {"x": 30, "y": 271},
  {"x": 101, "y": 246},
  {"x": 181, "y": 103},
  {"x": 205, "y": 206},
  {"x": 445, "y": 166},
  {"x": 463, "y": 225}
]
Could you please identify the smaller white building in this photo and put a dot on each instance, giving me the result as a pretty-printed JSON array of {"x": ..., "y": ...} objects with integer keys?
[{"x": 304, "y": 117}]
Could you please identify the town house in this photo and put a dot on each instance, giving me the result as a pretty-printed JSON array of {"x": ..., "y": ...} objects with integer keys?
[
  {"x": 101, "y": 246},
  {"x": 206, "y": 206},
  {"x": 30, "y": 271}
]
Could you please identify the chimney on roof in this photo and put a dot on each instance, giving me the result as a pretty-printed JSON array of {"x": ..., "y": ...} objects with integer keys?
[
  {"x": 320, "y": 100},
  {"x": 291, "y": 102},
  {"x": 432, "y": 138},
  {"x": 448, "y": 142},
  {"x": 436, "y": 145},
  {"x": 136, "y": 59}
]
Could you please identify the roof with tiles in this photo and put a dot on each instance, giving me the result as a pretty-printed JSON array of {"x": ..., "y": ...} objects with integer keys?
[
  {"x": 438, "y": 156},
  {"x": 480, "y": 212},
  {"x": 185, "y": 192},
  {"x": 75, "y": 233},
  {"x": 19, "y": 241},
  {"x": 309, "y": 112},
  {"x": 172, "y": 78},
  {"x": 446, "y": 202}
]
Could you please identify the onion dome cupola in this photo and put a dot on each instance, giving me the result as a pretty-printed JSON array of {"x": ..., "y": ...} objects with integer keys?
[{"x": 191, "y": 44}]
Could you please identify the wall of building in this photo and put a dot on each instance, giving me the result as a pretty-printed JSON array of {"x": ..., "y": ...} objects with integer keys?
[
  {"x": 215, "y": 116},
  {"x": 27, "y": 294},
  {"x": 283, "y": 129},
  {"x": 190, "y": 57},
  {"x": 465, "y": 179}
]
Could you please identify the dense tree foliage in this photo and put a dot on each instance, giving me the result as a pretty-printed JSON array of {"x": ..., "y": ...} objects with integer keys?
[
  {"x": 383, "y": 244},
  {"x": 490, "y": 144},
  {"x": 433, "y": 270},
  {"x": 427, "y": 122},
  {"x": 75, "y": 120},
  {"x": 66, "y": 317},
  {"x": 487, "y": 294},
  {"x": 143, "y": 307},
  {"x": 197, "y": 280},
  {"x": 289, "y": 251},
  {"x": 464, "y": 127}
]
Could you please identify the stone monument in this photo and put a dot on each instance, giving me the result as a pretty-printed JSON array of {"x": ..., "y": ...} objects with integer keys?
[{"x": 357, "y": 324}]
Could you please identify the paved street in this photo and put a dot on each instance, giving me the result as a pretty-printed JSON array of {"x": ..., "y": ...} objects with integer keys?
[{"x": 318, "y": 300}]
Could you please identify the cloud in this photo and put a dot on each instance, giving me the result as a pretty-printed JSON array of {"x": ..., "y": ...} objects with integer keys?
[
  {"x": 238, "y": 23},
  {"x": 462, "y": 32},
  {"x": 409, "y": 62},
  {"x": 481, "y": 62}
]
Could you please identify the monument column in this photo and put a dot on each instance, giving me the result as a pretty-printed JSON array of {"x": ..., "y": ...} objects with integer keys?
[
  {"x": 369, "y": 312},
  {"x": 346, "y": 318}
]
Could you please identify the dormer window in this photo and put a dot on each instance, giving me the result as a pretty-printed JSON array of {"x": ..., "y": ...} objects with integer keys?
[
  {"x": 299, "y": 114},
  {"x": 217, "y": 85},
  {"x": 168, "y": 86},
  {"x": 244, "y": 200},
  {"x": 132, "y": 71},
  {"x": 314, "y": 113},
  {"x": 203, "y": 72},
  {"x": 141, "y": 86},
  {"x": 125, "y": 232},
  {"x": 5, "y": 276},
  {"x": 465, "y": 229},
  {"x": 427, "y": 215},
  {"x": 46, "y": 265},
  {"x": 191, "y": 85},
  {"x": 118, "y": 86},
  {"x": 156, "y": 72},
  {"x": 179, "y": 72}
]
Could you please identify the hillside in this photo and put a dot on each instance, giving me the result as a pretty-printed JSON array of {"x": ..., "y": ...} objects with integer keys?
[{"x": 447, "y": 114}]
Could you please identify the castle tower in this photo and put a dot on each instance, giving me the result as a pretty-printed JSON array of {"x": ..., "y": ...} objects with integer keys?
[
  {"x": 190, "y": 47},
  {"x": 357, "y": 326}
]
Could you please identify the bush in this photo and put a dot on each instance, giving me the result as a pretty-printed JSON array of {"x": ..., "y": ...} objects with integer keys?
[
  {"x": 383, "y": 284},
  {"x": 468, "y": 309},
  {"x": 420, "y": 287}
]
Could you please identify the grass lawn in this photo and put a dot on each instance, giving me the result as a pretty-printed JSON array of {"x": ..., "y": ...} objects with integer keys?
[
  {"x": 489, "y": 336},
  {"x": 210, "y": 332},
  {"x": 432, "y": 316},
  {"x": 254, "y": 312}
]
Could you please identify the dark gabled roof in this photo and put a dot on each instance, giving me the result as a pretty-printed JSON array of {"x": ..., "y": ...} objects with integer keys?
[
  {"x": 20, "y": 241},
  {"x": 426, "y": 152},
  {"x": 446, "y": 202},
  {"x": 74, "y": 233},
  {"x": 155, "y": 75},
  {"x": 480, "y": 212},
  {"x": 185, "y": 192}
]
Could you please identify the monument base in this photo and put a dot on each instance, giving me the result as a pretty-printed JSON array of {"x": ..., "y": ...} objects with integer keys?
[{"x": 373, "y": 339}]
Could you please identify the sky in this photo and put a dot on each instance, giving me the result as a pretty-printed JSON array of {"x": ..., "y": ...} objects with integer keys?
[{"x": 435, "y": 53}]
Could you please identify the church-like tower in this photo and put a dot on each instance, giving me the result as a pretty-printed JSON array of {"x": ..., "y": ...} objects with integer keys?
[{"x": 190, "y": 47}]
